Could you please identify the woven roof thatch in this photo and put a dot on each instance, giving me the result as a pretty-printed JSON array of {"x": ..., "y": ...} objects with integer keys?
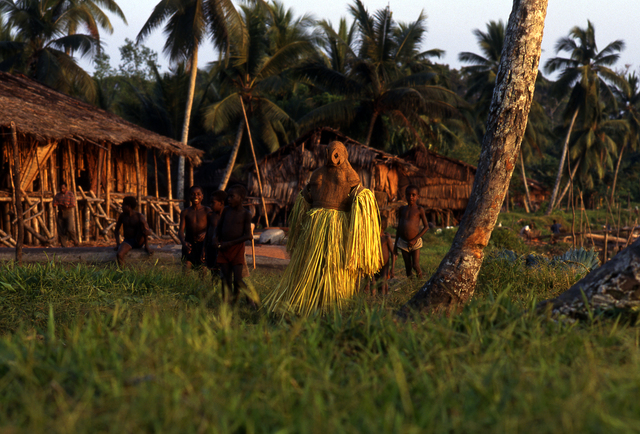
[
  {"x": 285, "y": 171},
  {"x": 46, "y": 114}
]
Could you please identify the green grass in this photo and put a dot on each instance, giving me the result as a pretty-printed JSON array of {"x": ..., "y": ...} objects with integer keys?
[{"x": 89, "y": 349}]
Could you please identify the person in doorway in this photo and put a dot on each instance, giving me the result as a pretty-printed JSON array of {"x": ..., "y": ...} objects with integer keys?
[{"x": 65, "y": 202}]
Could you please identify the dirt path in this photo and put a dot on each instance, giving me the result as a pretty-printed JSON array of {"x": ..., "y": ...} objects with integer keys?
[{"x": 266, "y": 255}]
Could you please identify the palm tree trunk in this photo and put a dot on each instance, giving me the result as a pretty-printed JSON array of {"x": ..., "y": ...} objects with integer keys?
[
  {"x": 565, "y": 148},
  {"x": 527, "y": 199},
  {"x": 615, "y": 177},
  {"x": 370, "y": 132},
  {"x": 187, "y": 119},
  {"x": 569, "y": 181},
  {"x": 232, "y": 157},
  {"x": 454, "y": 282}
]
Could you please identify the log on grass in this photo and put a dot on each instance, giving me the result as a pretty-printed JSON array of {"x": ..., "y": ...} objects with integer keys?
[{"x": 615, "y": 285}]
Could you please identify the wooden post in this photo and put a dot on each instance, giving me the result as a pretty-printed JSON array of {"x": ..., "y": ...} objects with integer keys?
[
  {"x": 169, "y": 189},
  {"x": 100, "y": 158},
  {"x": 138, "y": 177},
  {"x": 107, "y": 189},
  {"x": 16, "y": 193},
  {"x": 53, "y": 227},
  {"x": 155, "y": 173},
  {"x": 72, "y": 179},
  {"x": 190, "y": 174},
  {"x": 255, "y": 162}
]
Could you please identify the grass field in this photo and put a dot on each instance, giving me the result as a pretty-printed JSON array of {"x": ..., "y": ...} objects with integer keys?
[{"x": 88, "y": 349}]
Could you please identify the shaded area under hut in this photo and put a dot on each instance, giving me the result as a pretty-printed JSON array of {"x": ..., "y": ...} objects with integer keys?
[{"x": 100, "y": 156}]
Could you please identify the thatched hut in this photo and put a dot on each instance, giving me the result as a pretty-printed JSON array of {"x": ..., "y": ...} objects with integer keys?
[
  {"x": 445, "y": 184},
  {"x": 101, "y": 157},
  {"x": 285, "y": 171}
]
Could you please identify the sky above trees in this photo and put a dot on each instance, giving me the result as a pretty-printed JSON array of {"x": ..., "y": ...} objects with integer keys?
[{"x": 450, "y": 24}]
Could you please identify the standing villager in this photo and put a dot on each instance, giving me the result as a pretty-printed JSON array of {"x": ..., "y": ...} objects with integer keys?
[
  {"x": 334, "y": 238},
  {"x": 65, "y": 201},
  {"x": 409, "y": 235},
  {"x": 193, "y": 230}
]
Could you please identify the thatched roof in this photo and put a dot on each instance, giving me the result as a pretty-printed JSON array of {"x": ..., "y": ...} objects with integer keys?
[
  {"x": 45, "y": 114},
  {"x": 438, "y": 166},
  {"x": 285, "y": 171},
  {"x": 445, "y": 183}
]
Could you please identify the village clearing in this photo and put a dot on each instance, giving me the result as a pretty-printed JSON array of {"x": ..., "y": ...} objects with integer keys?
[{"x": 96, "y": 349}]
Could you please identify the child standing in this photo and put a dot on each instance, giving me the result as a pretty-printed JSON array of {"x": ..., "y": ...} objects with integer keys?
[
  {"x": 388, "y": 259},
  {"x": 193, "y": 229},
  {"x": 134, "y": 228},
  {"x": 409, "y": 235},
  {"x": 217, "y": 205},
  {"x": 232, "y": 231}
]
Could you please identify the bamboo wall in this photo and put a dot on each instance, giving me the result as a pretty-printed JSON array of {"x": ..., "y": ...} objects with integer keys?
[{"x": 100, "y": 174}]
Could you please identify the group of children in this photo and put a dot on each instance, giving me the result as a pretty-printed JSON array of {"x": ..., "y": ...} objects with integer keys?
[
  {"x": 212, "y": 236},
  {"x": 215, "y": 237}
]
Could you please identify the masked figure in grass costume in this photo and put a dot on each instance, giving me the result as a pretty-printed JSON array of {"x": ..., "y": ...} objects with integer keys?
[{"x": 334, "y": 239}]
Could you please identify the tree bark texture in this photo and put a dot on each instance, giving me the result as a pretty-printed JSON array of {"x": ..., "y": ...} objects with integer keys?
[
  {"x": 455, "y": 280},
  {"x": 565, "y": 150},
  {"x": 615, "y": 285}
]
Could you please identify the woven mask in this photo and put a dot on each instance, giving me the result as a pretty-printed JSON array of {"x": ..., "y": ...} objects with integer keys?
[
  {"x": 331, "y": 184},
  {"x": 337, "y": 154}
]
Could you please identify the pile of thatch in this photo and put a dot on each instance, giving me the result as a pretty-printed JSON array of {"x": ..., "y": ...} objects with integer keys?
[{"x": 47, "y": 115}]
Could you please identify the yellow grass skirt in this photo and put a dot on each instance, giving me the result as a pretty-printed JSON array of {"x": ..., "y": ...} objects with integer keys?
[{"x": 329, "y": 250}]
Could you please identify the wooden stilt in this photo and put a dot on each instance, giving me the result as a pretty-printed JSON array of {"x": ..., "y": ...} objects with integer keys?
[
  {"x": 16, "y": 193},
  {"x": 136, "y": 150},
  {"x": 98, "y": 184},
  {"x": 169, "y": 187},
  {"x": 72, "y": 179},
  {"x": 107, "y": 189},
  {"x": 53, "y": 227}
]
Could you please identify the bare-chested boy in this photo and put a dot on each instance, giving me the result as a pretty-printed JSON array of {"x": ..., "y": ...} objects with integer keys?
[
  {"x": 217, "y": 205},
  {"x": 134, "y": 228},
  {"x": 409, "y": 234},
  {"x": 193, "y": 229},
  {"x": 381, "y": 278},
  {"x": 233, "y": 230}
]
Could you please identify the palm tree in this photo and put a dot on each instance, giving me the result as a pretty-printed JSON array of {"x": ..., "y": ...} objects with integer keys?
[
  {"x": 378, "y": 80},
  {"x": 593, "y": 146},
  {"x": 246, "y": 82},
  {"x": 585, "y": 75},
  {"x": 484, "y": 69},
  {"x": 188, "y": 23},
  {"x": 628, "y": 94},
  {"x": 337, "y": 46},
  {"x": 47, "y": 40}
]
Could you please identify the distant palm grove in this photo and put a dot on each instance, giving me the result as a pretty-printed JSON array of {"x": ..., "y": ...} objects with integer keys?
[{"x": 368, "y": 75}]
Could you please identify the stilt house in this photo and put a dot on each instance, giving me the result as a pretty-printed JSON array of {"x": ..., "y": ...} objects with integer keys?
[{"x": 100, "y": 156}]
